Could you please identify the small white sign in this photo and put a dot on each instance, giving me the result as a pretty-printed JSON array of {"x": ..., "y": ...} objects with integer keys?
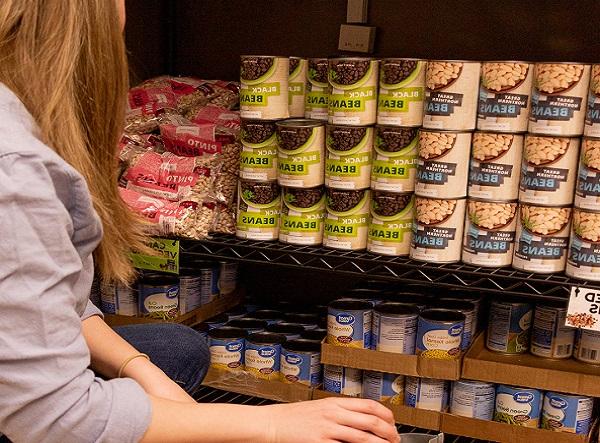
[{"x": 584, "y": 308}]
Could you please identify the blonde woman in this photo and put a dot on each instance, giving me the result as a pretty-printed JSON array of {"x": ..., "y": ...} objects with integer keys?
[{"x": 63, "y": 80}]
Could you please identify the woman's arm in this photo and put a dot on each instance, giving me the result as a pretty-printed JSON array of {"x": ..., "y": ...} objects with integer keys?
[{"x": 108, "y": 351}]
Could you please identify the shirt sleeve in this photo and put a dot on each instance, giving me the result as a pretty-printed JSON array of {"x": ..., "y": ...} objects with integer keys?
[
  {"x": 91, "y": 310},
  {"x": 47, "y": 392}
]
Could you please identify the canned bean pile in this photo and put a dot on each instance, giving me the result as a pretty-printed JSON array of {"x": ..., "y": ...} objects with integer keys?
[{"x": 167, "y": 296}]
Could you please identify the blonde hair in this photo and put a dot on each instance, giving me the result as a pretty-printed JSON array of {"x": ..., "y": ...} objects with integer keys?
[{"x": 66, "y": 61}]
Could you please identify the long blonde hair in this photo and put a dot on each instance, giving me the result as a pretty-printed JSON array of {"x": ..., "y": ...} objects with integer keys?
[{"x": 66, "y": 61}]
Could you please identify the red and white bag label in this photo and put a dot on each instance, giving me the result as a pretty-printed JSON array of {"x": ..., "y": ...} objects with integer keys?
[{"x": 191, "y": 140}]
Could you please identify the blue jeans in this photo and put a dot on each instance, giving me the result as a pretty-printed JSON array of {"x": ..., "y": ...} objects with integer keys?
[{"x": 179, "y": 351}]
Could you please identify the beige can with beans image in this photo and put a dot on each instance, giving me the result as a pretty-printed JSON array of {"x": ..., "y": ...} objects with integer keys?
[
  {"x": 583, "y": 261},
  {"x": 504, "y": 96},
  {"x": 559, "y": 99},
  {"x": 264, "y": 87},
  {"x": 438, "y": 230},
  {"x": 495, "y": 166},
  {"x": 542, "y": 238},
  {"x": 548, "y": 170},
  {"x": 587, "y": 190},
  {"x": 592, "y": 116},
  {"x": 451, "y": 94},
  {"x": 489, "y": 233},
  {"x": 443, "y": 164}
]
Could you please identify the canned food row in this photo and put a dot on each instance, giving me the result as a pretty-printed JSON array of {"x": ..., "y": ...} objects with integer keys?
[
  {"x": 166, "y": 296},
  {"x": 503, "y": 96},
  {"x": 517, "y": 327}
]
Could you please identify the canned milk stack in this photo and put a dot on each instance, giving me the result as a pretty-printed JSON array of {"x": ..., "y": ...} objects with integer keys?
[
  {"x": 399, "y": 116},
  {"x": 495, "y": 164},
  {"x": 583, "y": 260},
  {"x": 265, "y": 98},
  {"x": 352, "y": 111}
]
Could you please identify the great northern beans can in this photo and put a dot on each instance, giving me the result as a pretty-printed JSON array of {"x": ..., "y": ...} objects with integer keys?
[
  {"x": 258, "y": 159},
  {"x": 349, "y": 156},
  {"x": 346, "y": 225},
  {"x": 353, "y": 99},
  {"x": 302, "y": 216},
  {"x": 587, "y": 190},
  {"x": 391, "y": 223},
  {"x": 518, "y": 406},
  {"x": 509, "y": 326},
  {"x": 395, "y": 159},
  {"x": 341, "y": 380},
  {"x": 297, "y": 86},
  {"x": 451, "y": 95},
  {"x": 349, "y": 323},
  {"x": 401, "y": 92},
  {"x": 317, "y": 90},
  {"x": 504, "y": 96},
  {"x": 263, "y": 354},
  {"x": 259, "y": 208},
  {"x": 226, "y": 345},
  {"x": 264, "y": 87},
  {"x": 439, "y": 334},
  {"x": 567, "y": 413},
  {"x": 559, "y": 99},
  {"x": 301, "y": 362},
  {"x": 583, "y": 261}
]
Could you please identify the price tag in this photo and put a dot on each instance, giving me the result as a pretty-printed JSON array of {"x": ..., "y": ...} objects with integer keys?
[
  {"x": 584, "y": 308},
  {"x": 166, "y": 259}
]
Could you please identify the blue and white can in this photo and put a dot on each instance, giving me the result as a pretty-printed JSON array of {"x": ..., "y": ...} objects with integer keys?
[
  {"x": 349, "y": 323},
  {"x": 518, "y": 406},
  {"x": 395, "y": 328},
  {"x": 118, "y": 299},
  {"x": 473, "y": 399},
  {"x": 439, "y": 334},
  {"x": 550, "y": 337},
  {"x": 226, "y": 347},
  {"x": 344, "y": 381},
  {"x": 509, "y": 326},
  {"x": 382, "y": 386},
  {"x": 426, "y": 393},
  {"x": 567, "y": 413},
  {"x": 263, "y": 355},
  {"x": 159, "y": 297},
  {"x": 301, "y": 362}
]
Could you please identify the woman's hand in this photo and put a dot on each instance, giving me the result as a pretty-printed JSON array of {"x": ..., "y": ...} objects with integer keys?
[{"x": 349, "y": 420}]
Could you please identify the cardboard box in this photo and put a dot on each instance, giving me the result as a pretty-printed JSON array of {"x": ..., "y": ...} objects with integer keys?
[
  {"x": 390, "y": 362},
  {"x": 220, "y": 305},
  {"x": 568, "y": 376},
  {"x": 245, "y": 383},
  {"x": 502, "y": 432}
]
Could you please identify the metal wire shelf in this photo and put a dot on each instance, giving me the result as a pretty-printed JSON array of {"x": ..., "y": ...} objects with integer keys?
[{"x": 490, "y": 280}]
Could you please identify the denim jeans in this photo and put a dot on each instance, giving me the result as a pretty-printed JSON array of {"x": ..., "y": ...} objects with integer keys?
[{"x": 179, "y": 351}]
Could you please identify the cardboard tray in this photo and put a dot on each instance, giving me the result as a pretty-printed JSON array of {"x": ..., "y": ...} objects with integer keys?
[
  {"x": 245, "y": 383},
  {"x": 220, "y": 305},
  {"x": 502, "y": 432},
  {"x": 389, "y": 362},
  {"x": 533, "y": 372}
]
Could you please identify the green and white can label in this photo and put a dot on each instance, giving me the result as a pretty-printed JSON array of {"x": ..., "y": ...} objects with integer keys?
[
  {"x": 401, "y": 92},
  {"x": 344, "y": 381},
  {"x": 390, "y": 227},
  {"x": 395, "y": 159},
  {"x": 353, "y": 99},
  {"x": 302, "y": 216},
  {"x": 301, "y": 152},
  {"x": 592, "y": 116},
  {"x": 383, "y": 387},
  {"x": 518, "y": 406},
  {"x": 504, "y": 96},
  {"x": 346, "y": 225},
  {"x": 297, "y": 86},
  {"x": 426, "y": 393},
  {"x": 258, "y": 159},
  {"x": 509, "y": 327},
  {"x": 317, "y": 90},
  {"x": 567, "y": 413},
  {"x": 264, "y": 87},
  {"x": 349, "y": 156},
  {"x": 559, "y": 99},
  {"x": 259, "y": 208},
  {"x": 473, "y": 399}
]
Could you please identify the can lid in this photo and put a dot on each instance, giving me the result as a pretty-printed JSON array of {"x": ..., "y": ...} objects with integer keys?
[
  {"x": 303, "y": 345},
  {"x": 456, "y": 305},
  {"x": 300, "y": 123},
  {"x": 227, "y": 332},
  {"x": 314, "y": 334},
  {"x": 266, "y": 338},
  {"x": 159, "y": 279},
  {"x": 301, "y": 318},
  {"x": 442, "y": 315},
  {"x": 397, "y": 308},
  {"x": 350, "y": 304}
]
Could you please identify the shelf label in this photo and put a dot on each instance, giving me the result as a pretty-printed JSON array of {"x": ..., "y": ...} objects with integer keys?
[
  {"x": 166, "y": 259},
  {"x": 584, "y": 308}
]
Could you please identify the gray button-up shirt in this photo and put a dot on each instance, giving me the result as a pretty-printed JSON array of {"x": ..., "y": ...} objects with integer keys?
[{"x": 48, "y": 231}]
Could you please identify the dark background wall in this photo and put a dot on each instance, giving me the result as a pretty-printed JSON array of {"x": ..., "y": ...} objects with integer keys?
[{"x": 206, "y": 37}]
